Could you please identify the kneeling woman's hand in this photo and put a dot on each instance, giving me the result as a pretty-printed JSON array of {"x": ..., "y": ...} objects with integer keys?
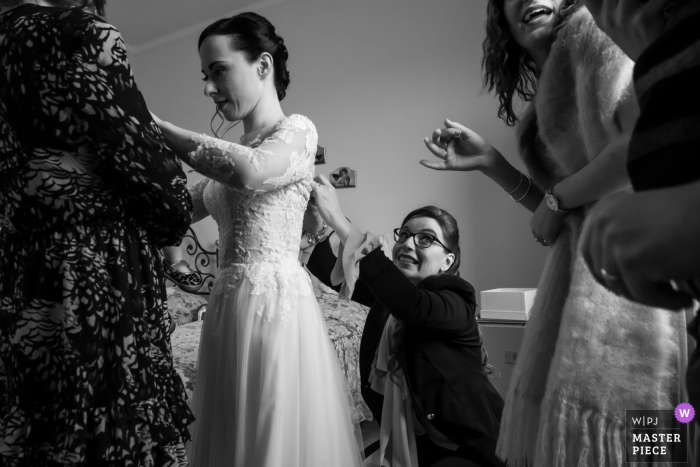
[{"x": 328, "y": 206}]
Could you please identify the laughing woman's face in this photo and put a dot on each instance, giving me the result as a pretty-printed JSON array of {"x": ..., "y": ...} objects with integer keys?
[{"x": 531, "y": 23}]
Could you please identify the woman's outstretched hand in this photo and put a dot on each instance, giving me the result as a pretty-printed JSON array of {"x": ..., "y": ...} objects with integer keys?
[
  {"x": 458, "y": 148},
  {"x": 326, "y": 201}
]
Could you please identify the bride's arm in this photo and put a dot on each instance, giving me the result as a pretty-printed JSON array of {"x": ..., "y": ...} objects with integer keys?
[
  {"x": 238, "y": 166},
  {"x": 199, "y": 210}
]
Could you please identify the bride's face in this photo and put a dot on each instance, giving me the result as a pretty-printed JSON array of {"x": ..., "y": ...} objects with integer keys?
[{"x": 234, "y": 83}]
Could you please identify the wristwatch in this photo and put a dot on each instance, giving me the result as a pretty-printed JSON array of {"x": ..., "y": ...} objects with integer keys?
[{"x": 553, "y": 202}]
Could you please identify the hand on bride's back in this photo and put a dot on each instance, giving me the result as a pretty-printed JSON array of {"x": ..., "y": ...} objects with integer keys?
[
  {"x": 326, "y": 200},
  {"x": 458, "y": 148}
]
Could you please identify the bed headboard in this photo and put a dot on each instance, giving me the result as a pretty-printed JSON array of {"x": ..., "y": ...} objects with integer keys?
[{"x": 204, "y": 261}]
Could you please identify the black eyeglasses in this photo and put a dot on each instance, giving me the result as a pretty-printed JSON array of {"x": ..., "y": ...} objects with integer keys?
[{"x": 422, "y": 240}]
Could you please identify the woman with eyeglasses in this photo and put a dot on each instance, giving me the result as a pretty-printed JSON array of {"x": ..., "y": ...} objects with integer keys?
[{"x": 421, "y": 366}]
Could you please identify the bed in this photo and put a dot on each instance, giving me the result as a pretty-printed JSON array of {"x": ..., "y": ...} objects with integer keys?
[{"x": 344, "y": 320}]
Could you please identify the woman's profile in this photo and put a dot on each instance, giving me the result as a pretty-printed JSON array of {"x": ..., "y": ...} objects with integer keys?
[{"x": 269, "y": 391}]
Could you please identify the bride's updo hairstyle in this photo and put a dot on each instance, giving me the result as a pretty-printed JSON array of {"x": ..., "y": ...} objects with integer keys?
[{"x": 252, "y": 34}]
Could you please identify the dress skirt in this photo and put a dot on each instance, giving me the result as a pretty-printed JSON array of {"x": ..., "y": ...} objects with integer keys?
[{"x": 269, "y": 391}]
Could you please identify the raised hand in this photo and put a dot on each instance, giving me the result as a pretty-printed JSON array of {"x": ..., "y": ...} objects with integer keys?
[
  {"x": 636, "y": 244},
  {"x": 458, "y": 148},
  {"x": 326, "y": 200}
]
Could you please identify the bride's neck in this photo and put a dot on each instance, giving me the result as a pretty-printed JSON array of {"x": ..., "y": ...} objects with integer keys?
[{"x": 266, "y": 113}]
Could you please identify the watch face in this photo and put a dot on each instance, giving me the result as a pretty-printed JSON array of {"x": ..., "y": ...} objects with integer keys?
[{"x": 552, "y": 203}]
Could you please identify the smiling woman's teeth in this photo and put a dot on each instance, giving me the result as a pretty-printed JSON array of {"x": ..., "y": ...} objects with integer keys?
[{"x": 535, "y": 14}]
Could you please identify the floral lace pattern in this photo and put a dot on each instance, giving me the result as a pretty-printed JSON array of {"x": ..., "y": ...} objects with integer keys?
[
  {"x": 205, "y": 143},
  {"x": 260, "y": 229}
]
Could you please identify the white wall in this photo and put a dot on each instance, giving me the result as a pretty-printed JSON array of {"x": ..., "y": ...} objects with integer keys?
[{"x": 376, "y": 76}]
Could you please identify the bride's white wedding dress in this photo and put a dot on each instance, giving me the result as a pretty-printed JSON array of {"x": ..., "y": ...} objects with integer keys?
[{"x": 269, "y": 389}]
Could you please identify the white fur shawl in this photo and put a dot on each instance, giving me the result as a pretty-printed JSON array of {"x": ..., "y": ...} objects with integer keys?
[{"x": 587, "y": 354}]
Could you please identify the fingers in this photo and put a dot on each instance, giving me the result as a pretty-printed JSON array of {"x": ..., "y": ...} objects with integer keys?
[
  {"x": 457, "y": 126},
  {"x": 435, "y": 149},
  {"x": 322, "y": 180},
  {"x": 433, "y": 165},
  {"x": 447, "y": 134},
  {"x": 437, "y": 140},
  {"x": 441, "y": 137}
]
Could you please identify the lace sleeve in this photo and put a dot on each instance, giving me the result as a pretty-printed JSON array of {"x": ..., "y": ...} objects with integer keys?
[
  {"x": 199, "y": 211},
  {"x": 197, "y": 190},
  {"x": 282, "y": 158}
]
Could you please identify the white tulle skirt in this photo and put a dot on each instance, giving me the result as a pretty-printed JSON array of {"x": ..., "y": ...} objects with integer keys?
[{"x": 269, "y": 390}]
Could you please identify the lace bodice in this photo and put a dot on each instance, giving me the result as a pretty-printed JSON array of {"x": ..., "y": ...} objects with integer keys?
[{"x": 262, "y": 224}]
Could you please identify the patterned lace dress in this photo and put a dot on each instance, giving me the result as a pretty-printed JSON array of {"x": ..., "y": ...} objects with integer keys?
[
  {"x": 269, "y": 391},
  {"x": 88, "y": 192}
]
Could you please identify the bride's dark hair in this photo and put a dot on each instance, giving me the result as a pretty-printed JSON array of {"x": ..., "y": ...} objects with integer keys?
[
  {"x": 98, "y": 5},
  {"x": 252, "y": 34}
]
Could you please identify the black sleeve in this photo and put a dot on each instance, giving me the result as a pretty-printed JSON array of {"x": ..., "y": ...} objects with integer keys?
[
  {"x": 112, "y": 112},
  {"x": 440, "y": 303},
  {"x": 321, "y": 263}
]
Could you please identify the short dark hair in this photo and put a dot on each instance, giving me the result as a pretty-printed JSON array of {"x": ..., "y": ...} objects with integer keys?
[
  {"x": 253, "y": 35},
  {"x": 506, "y": 66},
  {"x": 98, "y": 5},
  {"x": 449, "y": 227}
]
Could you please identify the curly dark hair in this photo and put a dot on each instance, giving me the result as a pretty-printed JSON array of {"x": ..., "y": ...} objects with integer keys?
[
  {"x": 507, "y": 67},
  {"x": 98, "y": 5}
]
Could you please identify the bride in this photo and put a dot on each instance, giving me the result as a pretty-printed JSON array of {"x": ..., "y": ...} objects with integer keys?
[{"x": 269, "y": 389}]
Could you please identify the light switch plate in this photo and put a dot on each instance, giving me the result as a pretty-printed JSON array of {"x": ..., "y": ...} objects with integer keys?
[{"x": 511, "y": 356}]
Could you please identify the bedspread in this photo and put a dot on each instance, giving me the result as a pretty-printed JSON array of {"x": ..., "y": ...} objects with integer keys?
[{"x": 344, "y": 320}]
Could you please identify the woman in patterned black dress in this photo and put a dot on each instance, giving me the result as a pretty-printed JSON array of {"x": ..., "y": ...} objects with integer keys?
[{"x": 88, "y": 193}]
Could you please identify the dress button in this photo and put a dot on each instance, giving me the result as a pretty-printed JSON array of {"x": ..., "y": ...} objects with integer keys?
[{"x": 430, "y": 416}]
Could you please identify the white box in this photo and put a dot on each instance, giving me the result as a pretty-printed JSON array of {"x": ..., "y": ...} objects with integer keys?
[{"x": 508, "y": 304}]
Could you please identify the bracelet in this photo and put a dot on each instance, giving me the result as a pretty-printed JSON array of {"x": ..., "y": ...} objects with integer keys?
[
  {"x": 516, "y": 188},
  {"x": 315, "y": 238},
  {"x": 529, "y": 185}
]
